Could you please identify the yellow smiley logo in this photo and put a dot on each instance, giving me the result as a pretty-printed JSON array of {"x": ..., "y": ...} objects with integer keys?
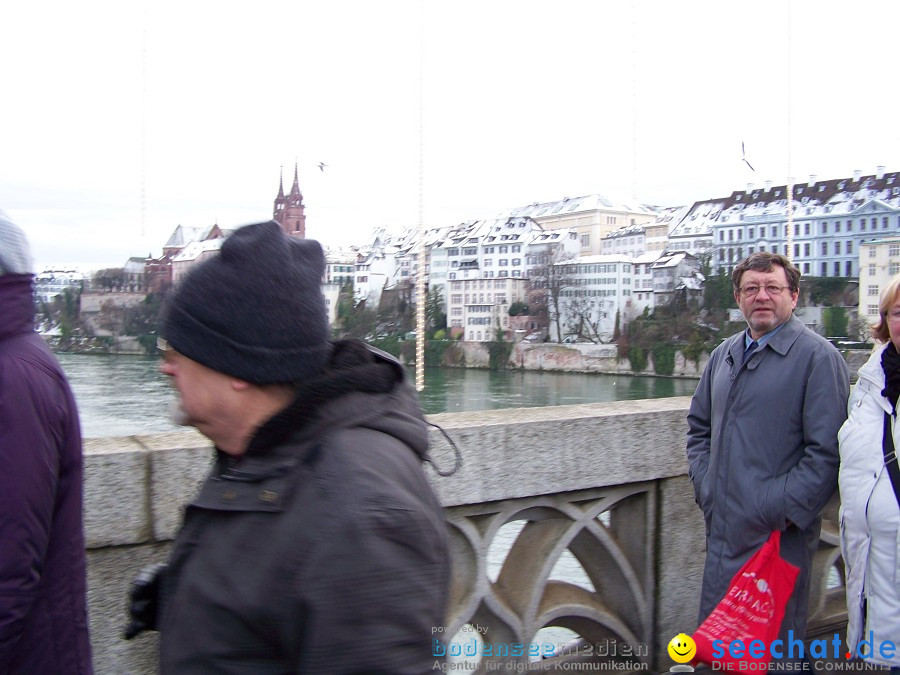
[{"x": 682, "y": 648}]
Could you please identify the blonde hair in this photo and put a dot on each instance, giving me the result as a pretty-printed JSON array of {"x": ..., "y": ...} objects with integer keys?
[{"x": 888, "y": 297}]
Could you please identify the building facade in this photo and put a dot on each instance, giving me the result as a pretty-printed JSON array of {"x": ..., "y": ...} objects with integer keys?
[
  {"x": 821, "y": 230},
  {"x": 594, "y": 290},
  {"x": 478, "y": 307},
  {"x": 879, "y": 262},
  {"x": 591, "y": 216},
  {"x": 50, "y": 283}
]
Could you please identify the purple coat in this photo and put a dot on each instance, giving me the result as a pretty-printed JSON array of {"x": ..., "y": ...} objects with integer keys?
[{"x": 43, "y": 611}]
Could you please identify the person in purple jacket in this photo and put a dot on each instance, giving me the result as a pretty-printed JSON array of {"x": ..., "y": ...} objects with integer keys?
[{"x": 43, "y": 609}]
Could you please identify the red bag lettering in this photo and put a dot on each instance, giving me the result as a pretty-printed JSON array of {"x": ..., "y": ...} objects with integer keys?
[{"x": 752, "y": 609}]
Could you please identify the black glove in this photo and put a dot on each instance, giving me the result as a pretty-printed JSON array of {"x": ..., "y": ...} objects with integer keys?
[{"x": 143, "y": 599}]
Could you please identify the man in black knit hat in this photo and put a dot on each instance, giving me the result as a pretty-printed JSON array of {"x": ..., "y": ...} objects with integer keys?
[{"x": 316, "y": 544}]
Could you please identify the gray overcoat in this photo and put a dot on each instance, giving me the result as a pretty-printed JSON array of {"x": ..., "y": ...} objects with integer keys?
[{"x": 763, "y": 455}]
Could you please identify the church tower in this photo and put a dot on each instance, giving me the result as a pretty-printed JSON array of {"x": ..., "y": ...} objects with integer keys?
[{"x": 288, "y": 211}]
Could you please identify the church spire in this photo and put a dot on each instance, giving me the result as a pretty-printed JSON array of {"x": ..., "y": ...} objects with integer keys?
[
  {"x": 295, "y": 188},
  {"x": 281, "y": 182}
]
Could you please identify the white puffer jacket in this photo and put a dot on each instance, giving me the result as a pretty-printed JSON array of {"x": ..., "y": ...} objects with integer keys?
[{"x": 870, "y": 517}]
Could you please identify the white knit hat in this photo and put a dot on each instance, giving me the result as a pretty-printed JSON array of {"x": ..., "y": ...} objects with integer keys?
[{"x": 15, "y": 256}]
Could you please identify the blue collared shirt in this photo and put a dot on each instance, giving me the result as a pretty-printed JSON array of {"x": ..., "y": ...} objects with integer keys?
[{"x": 761, "y": 341}]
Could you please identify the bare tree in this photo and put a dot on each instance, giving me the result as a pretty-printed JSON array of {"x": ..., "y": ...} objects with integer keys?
[
  {"x": 110, "y": 279},
  {"x": 553, "y": 274},
  {"x": 587, "y": 320}
]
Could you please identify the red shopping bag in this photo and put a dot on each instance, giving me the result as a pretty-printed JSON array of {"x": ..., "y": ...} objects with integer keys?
[{"x": 752, "y": 610}]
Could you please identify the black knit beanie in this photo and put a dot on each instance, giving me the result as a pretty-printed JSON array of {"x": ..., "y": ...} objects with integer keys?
[{"x": 256, "y": 310}]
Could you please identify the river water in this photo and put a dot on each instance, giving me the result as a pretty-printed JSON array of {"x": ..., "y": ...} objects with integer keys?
[{"x": 127, "y": 395}]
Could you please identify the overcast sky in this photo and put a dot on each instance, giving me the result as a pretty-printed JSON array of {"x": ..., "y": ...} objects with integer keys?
[{"x": 121, "y": 120}]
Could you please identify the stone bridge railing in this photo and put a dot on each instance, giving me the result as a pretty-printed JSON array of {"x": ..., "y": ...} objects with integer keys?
[{"x": 600, "y": 490}]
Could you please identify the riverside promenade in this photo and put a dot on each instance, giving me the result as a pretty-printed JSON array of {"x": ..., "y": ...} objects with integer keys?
[{"x": 606, "y": 482}]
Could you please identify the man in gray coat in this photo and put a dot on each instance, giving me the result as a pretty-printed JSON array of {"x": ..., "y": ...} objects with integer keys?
[{"x": 762, "y": 439}]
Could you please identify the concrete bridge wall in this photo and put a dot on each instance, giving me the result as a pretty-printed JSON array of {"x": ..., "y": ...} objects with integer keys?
[{"x": 604, "y": 483}]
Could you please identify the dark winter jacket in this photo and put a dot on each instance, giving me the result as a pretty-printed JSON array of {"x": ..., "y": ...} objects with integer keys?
[
  {"x": 323, "y": 549},
  {"x": 43, "y": 614},
  {"x": 762, "y": 450}
]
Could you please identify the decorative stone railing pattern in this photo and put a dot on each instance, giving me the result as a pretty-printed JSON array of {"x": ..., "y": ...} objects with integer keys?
[{"x": 602, "y": 485}]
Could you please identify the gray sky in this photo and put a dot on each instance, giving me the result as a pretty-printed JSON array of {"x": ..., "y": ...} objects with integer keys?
[{"x": 190, "y": 108}]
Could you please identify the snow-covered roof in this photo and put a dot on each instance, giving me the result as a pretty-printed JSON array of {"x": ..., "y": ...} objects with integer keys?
[
  {"x": 815, "y": 199},
  {"x": 626, "y": 231},
  {"x": 648, "y": 257},
  {"x": 47, "y": 275},
  {"x": 566, "y": 206},
  {"x": 691, "y": 283},
  {"x": 509, "y": 230},
  {"x": 882, "y": 240},
  {"x": 672, "y": 215},
  {"x": 668, "y": 259},
  {"x": 550, "y": 236},
  {"x": 598, "y": 259},
  {"x": 193, "y": 250},
  {"x": 182, "y": 236},
  {"x": 134, "y": 265},
  {"x": 338, "y": 257},
  {"x": 409, "y": 240}
]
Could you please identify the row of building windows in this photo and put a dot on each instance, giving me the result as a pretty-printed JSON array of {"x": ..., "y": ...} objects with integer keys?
[
  {"x": 479, "y": 298},
  {"x": 481, "y": 285},
  {"x": 893, "y": 268},
  {"x": 488, "y": 274},
  {"x": 837, "y": 269},
  {"x": 736, "y": 254},
  {"x": 597, "y": 269},
  {"x": 597, "y": 281},
  {"x": 503, "y": 262},
  {"x": 473, "y": 250},
  {"x": 836, "y": 227},
  {"x": 591, "y": 293}
]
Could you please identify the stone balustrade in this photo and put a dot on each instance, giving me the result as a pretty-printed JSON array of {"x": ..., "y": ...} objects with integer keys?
[{"x": 601, "y": 487}]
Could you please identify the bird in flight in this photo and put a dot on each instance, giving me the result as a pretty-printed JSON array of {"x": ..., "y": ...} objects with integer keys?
[
  {"x": 744, "y": 158},
  {"x": 322, "y": 166}
]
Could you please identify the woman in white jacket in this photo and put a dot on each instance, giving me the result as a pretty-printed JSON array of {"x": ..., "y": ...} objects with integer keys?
[{"x": 870, "y": 509}]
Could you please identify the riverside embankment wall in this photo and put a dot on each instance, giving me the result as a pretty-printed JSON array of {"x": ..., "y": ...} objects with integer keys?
[{"x": 593, "y": 358}]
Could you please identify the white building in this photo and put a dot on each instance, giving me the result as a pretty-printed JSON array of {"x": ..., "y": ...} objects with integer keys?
[
  {"x": 482, "y": 249},
  {"x": 676, "y": 276},
  {"x": 375, "y": 268},
  {"x": 635, "y": 240},
  {"x": 133, "y": 273},
  {"x": 50, "y": 283},
  {"x": 195, "y": 252},
  {"x": 340, "y": 267},
  {"x": 830, "y": 221},
  {"x": 691, "y": 228},
  {"x": 477, "y": 307},
  {"x": 332, "y": 293},
  {"x": 642, "y": 295},
  {"x": 591, "y": 216},
  {"x": 879, "y": 262},
  {"x": 596, "y": 287}
]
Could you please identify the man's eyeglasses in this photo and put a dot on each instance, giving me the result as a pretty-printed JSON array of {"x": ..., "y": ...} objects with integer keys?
[{"x": 752, "y": 291}]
